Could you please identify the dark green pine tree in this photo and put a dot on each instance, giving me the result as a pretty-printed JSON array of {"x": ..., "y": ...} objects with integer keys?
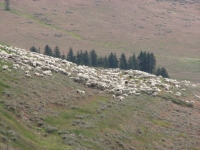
[
  {"x": 135, "y": 62},
  {"x": 148, "y": 63},
  {"x": 164, "y": 73},
  {"x": 79, "y": 58},
  {"x": 142, "y": 65},
  {"x": 63, "y": 56},
  {"x": 106, "y": 62},
  {"x": 48, "y": 51},
  {"x": 70, "y": 55},
  {"x": 152, "y": 64},
  {"x": 101, "y": 62},
  {"x": 113, "y": 61},
  {"x": 86, "y": 59},
  {"x": 93, "y": 57},
  {"x": 158, "y": 71},
  {"x": 116, "y": 61},
  {"x": 33, "y": 49},
  {"x": 130, "y": 63},
  {"x": 123, "y": 62},
  {"x": 57, "y": 52}
]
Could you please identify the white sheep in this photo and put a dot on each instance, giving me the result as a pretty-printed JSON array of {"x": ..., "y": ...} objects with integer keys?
[
  {"x": 5, "y": 67},
  {"x": 27, "y": 75},
  {"x": 137, "y": 94},
  {"x": 154, "y": 94},
  {"x": 80, "y": 91},
  {"x": 197, "y": 97}
]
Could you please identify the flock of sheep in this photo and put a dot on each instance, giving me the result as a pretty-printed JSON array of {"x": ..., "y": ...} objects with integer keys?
[{"x": 117, "y": 82}]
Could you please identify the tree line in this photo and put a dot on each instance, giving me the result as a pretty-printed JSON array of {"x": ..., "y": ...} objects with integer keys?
[{"x": 145, "y": 61}]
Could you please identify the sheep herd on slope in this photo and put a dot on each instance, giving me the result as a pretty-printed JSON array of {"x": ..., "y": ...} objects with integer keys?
[{"x": 119, "y": 83}]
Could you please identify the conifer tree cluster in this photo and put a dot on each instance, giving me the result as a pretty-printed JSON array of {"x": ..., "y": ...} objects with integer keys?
[{"x": 145, "y": 61}]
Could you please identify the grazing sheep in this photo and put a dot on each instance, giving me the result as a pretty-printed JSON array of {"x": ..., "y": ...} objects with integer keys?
[
  {"x": 27, "y": 75},
  {"x": 26, "y": 72},
  {"x": 4, "y": 67},
  {"x": 125, "y": 95},
  {"x": 113, "y": 96},
  {"x": 178, "y": 94},
  {"x": 154, "y": 94},
  {"x": 137, "y": 94},
  {"x": 80, "y": 91},
  {"x": 198, "y": 97},
  {"x": 121, "y": 98}
]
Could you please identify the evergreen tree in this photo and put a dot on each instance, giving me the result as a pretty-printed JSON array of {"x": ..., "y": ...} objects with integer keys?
[
  {"x": 63, "y": 56},
  {"x": 164, "y": 73},
  {"x": 112, "y": 60},
  {"x": 123, "y": 62},
  {"x": 146, "y": 62},
  {"x": 7, "y": 4},
  {"x": 135, "y": 62},
  {"x": 57, "y": 52},
  {"x": 116, "y": 61},
  {"x": 48, "y": 51},
  {"x": 33, "y": 49},
  {"x": 70, "y": 55},
  {"x": 79, "y": 58},
  {"x": 106, "y": 62},
  {"x": 140, "y": 59},
  {"x": 152, "y": 64},
  {"x": 86, "y": 59},
  {"x": 101, "y": 62},
  {"x": 130, "y": 63},
  {"x": 93, "y": 57},
  {"x": 158, "y": 71}
]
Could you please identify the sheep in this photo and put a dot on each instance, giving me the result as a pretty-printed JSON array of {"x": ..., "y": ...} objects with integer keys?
[
  {"x": 137, "y": 94},
  {"x": 38, "y": 74},
  {"x": 197, "y": 97},
  {"x": 26, "y": 72},
  {"x": 80, "y": 91},
  {"x": 113, "y": 96},
  {"x": 192, "y": 102},
  {"x": 125, "y": 95},
  {"x": 154, "y": 94},
  {"x": 178, "y": 94},
  {"x": 121, "y": 98},
  {"x": 27, "y": 75},
  {"x": 4, "y": 67}
]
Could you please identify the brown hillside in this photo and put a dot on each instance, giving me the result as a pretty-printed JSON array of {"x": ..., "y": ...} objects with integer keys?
[{"x": 169, "y": 29}]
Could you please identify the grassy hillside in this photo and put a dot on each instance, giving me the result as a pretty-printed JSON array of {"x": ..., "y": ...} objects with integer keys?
[
  {"x": 48, "y": 113},
  {"x": 169, "y": 29}
]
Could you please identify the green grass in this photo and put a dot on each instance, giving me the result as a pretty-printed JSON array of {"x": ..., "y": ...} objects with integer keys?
[
  {"x": 28, "y": 139},
  {"x": 2, "y": 84},
  {"x": 161, "y": 123}
]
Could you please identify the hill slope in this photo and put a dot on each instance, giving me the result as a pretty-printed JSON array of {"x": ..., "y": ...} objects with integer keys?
[
  {"x": 169, "y": 29},
  {"x": 40, "y": 110}
]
